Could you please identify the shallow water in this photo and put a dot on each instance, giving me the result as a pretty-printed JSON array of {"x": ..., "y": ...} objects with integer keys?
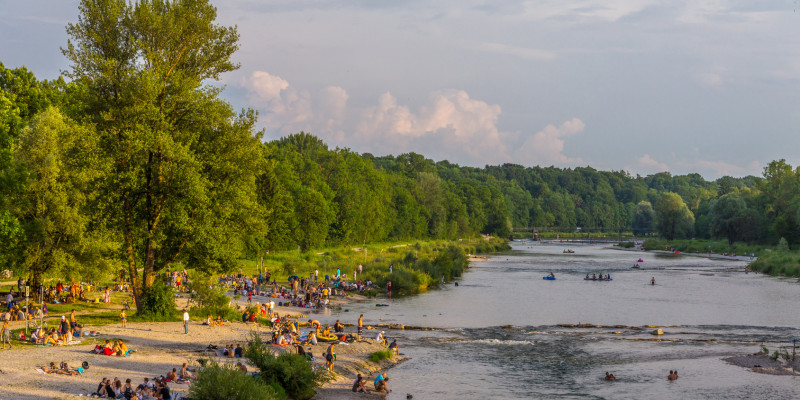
[{"x": 501, "y": 337}]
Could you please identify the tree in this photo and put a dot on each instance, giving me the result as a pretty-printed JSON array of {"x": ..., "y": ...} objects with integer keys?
[
  {"x": 727, "y": 215},
  {"x": 673, "y": 218},
  {"x": 643, "y": 218},
  {"x": 50, "y": 207},
  {"x": 177, "y": 166}
]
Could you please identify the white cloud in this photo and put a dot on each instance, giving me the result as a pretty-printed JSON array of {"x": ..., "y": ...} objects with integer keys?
[
  {"x": 451, "y": 125},
  {"x": 288, "y": 110},
  {"x": 650, "y": 165},
  {"x": 267, "y": 87},
  {"x": 546, "y": 147}
]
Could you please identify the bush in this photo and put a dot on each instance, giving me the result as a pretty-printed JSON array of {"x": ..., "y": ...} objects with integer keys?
[
  {"x": 625, "y": 245},
  {"x": 291, "y": 371},
  {"x": 159, "y": 303},
  {"x": 226, "y": 382},
  {"x": 381, "y": 355},
  {"x": 210, "y": 301}
]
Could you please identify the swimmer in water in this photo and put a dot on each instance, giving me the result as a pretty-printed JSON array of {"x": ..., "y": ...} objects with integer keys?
[{"x": 653, "y": 280}]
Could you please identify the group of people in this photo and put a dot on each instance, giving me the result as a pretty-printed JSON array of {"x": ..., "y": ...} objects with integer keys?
[
  {"x": 112, "y": 348},
  {"x": 379, "y": 383},
  {"x": 673, "y": 375},
  {"x": 595, "y": 276},
  {"x": 62, "y": 369},
  {"x": 157, "y": 389}
]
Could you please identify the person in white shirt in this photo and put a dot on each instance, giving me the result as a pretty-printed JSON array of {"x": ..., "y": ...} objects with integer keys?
[
  {"x": 185, "y": 322},
  {"x": 380, "y": 338}
]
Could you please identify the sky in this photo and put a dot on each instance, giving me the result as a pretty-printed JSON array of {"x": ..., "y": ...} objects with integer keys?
[{"x": 685, "y": 86}]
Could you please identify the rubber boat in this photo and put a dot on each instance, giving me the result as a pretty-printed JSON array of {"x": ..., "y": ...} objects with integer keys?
[
  {"x": 598, "y": 279},
  {"x": 549, "y": 278}
]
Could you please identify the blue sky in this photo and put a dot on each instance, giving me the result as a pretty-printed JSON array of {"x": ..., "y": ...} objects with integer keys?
[{"x": 644, "y": 86}]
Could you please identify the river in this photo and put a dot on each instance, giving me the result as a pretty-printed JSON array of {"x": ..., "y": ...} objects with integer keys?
[{"x": 504, "y": 331}]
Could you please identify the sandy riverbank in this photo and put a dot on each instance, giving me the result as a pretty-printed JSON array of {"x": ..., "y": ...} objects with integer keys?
[{"x": 159, "y": 347}]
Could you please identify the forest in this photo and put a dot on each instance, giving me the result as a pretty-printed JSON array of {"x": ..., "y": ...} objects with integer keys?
[{"x": 132, "y": 160}]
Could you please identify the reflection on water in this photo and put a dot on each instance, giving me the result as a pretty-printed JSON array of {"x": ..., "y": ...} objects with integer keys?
[{"x": 506, "y": 333}]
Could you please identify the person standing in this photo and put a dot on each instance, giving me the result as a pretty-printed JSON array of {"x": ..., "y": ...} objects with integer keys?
[
  {"x": 185, "y": 322},
  {"x": 6, "y": 333},
  {"x": 360, "y": 326},
  {"x": 123, "y": 318}
]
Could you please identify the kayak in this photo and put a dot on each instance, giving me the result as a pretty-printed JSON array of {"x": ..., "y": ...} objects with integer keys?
[
  {"x": 549, "y": 278},
  {"x": 598, "y": 279},
  {"x": 327, "y": 338}
]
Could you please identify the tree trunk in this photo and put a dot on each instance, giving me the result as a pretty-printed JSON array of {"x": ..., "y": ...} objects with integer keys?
[{"x": 138, "y": 292}]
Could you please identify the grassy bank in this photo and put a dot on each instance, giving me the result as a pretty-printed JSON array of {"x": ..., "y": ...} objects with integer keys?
[
  {"x": 575, "y": 235},
  {"x": 415, "y": 266},
  {"x": 771, "y": 260},
  {"x": 778, "y": 263},
  {"x": 704, "y": 246}
]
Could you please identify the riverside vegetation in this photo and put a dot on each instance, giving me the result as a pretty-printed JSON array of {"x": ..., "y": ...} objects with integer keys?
[{"x": 132, "y": 160}]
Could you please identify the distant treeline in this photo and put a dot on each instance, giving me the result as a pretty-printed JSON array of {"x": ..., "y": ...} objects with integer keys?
[{"x": 60, "y": 192}]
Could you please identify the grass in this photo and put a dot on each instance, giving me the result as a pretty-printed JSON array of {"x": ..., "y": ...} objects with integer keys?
[{"x": 378, "y": 356}]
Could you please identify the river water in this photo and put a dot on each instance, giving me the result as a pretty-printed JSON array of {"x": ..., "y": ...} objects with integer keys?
[{"x": 506, "y": 333}]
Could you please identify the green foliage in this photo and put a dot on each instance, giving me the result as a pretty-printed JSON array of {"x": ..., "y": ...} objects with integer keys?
[
  {"x": 380, "y": 355},
  {"x": 226, "y": 382},
  {"x": 176, "y": 164},
  {"x": 643, "y": 219},
  {"x": 673, "y": 218},
  {"x": 626, "y": 245},
  {"x": 210, "y": 300},
  {"x": 289, "y": 370},
  {"x": 158, "y": 302}
]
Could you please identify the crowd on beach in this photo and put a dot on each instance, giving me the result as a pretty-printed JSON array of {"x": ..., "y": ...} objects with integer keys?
[{"x": 155, "y": 389}]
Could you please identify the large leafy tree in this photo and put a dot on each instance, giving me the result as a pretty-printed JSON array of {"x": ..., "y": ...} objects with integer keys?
[
  {"x": 673, "y": 218},
  {"x": 728, "y": 216},
  {"x": 177, "y": 165},
  {"x": 643, "y": 218},
  {"x": 51, "y": 205}
]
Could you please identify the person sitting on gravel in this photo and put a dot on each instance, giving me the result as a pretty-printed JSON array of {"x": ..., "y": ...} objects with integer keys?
[
  {"x": 185, "y": 374},
  {"x": 360, "y": 385},
  {"x": 380, "y": 339},
  {"x": 172, "y": 375},
  {"x": 393, "y": 347},
  {"x": 380, "y": 384}
]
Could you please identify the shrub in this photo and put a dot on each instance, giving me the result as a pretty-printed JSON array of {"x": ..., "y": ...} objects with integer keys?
[
  {"x": 625, "y": 245},
  {"x": 291, "y": 371},
  {"x": 226, "y": 382},
  {"x": 381, "y": 355},
  {"x": 158, "y": 302},
  {"x": 210, "y": 301}
]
